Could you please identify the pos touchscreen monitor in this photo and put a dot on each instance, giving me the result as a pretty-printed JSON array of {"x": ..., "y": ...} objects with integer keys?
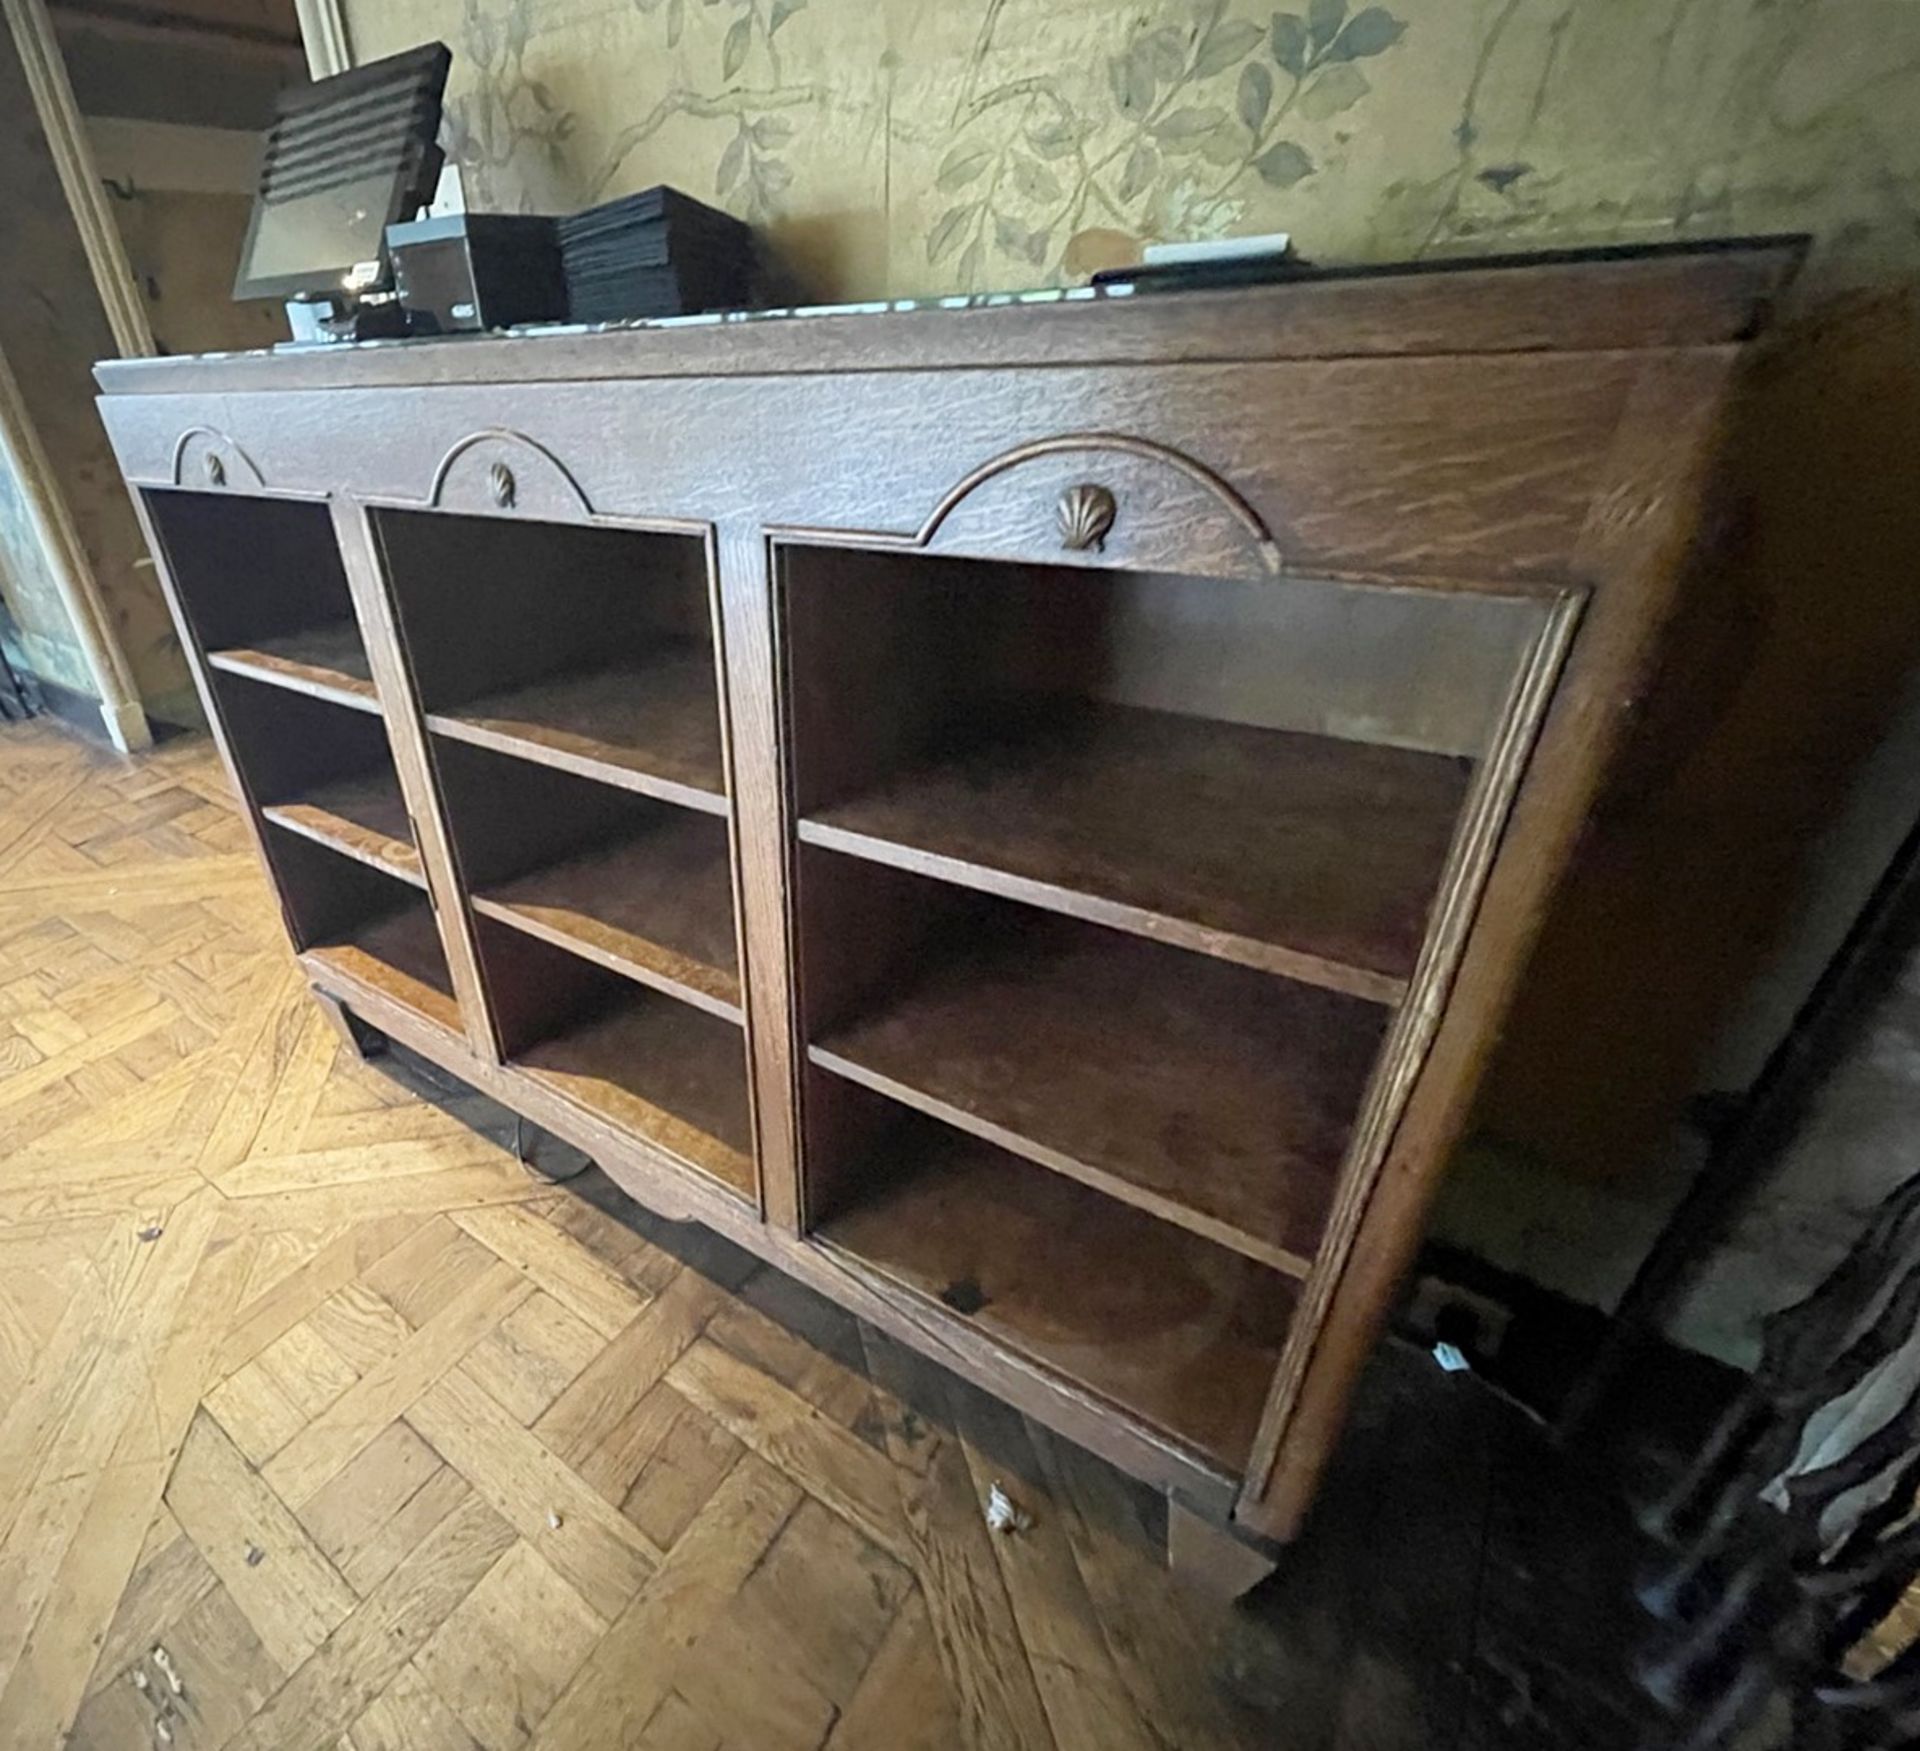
[{"x": 345, "y": 158}]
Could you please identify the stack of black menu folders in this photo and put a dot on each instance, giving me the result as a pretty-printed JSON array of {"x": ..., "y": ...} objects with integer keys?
[{"x": 657, "y": 253}]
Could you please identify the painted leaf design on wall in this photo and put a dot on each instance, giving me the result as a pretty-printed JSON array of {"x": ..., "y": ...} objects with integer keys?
[
  {"x": 1225, "y": 46},
  {"x": 1324, "y": 18},
  {"x": 1163, "y": 51},
  {"x": 508, "y": 110},
  {"x": 733, "y": 53},
  {"x": 1201, "y": 111},
  {"x": 1368, "y": 33},
  {"x": 1193, "y": 111},
  {"x": 962, "y": 165},
  {"x": 1054, "y": 141},
  {"x": 1015, "y": 239},
  {"x": 749, "y": 173},
  {"x": 1143, "y": 165},
  {"x": 1179, "y": 130},
  {"x": 947, "y": 231},
  {"x": 1133, "y": 83},
  {"x": 1283, "y": 164},
  {"x": 1082, "y": 88},
  {"x": 1337, "y": 88},
  {"x": 1255, "y": 96},
  {"x": 1034, "y": 180},
  {"x": 1291, "y": 45}
]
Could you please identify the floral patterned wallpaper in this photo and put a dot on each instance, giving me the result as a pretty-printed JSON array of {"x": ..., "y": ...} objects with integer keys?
[{"x": 893, "y": 147}]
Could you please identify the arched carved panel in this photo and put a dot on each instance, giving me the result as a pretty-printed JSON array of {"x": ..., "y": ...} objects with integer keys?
[
  {"x": 210, "y": 460},
  {"x": 501, "y": 473},
  {"x": 1103, "y": 499}
]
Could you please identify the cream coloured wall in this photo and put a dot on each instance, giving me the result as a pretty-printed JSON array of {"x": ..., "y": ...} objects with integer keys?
[{"x": 909, "y": 145}]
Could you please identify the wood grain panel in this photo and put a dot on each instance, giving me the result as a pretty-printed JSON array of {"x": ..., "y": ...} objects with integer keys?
[
  {"x": 1325, "y": 453},
  {"x": 1638, "y": 544}
]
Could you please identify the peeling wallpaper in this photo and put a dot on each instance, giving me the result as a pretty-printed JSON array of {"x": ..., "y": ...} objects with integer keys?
[{"x": 908, "y": 146}]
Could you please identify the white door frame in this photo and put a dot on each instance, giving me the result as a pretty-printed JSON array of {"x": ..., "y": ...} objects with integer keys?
[{"x": 323, "y": 28}]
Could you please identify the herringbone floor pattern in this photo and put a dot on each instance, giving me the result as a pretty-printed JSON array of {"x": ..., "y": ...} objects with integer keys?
[{"x": 322, "y": 1425}]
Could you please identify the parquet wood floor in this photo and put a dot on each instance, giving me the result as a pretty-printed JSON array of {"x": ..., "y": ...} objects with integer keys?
[{"x": 323, "y": 1425}]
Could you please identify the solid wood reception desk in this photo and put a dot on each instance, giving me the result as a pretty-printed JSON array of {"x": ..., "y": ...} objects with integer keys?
[{"x": 1027, "y": 817}]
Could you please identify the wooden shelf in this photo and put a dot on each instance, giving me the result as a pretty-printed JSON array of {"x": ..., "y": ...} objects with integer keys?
[
  {"x": 328, "y": 662},
  {"x": 1304, "y": 855},
  {"x": 1181, "y": 1334},
  {"x": 363, "y": 817},
  {"x": 1209, "y": 1094},
  {"x": 651, "y": 726},
  {"x": 692, "y": 1068},
  {"x": 399, "y": 956},
  {"x": 656, "y": 906}
]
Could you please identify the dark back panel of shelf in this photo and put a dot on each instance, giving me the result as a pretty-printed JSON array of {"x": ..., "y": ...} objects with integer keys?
[
  {"x": 892, "y": 655},
  {"x": 490, "y": 603},
  {"x": 863, "y": 927},
  {"x": 329, "y": 897},
  {"x": 509, "y": 815},
  {"x": 845, "y": 1133},
  {"x": 537, "y": 990},
  {"x": 875, "y": 668},
  {"x": 286, "y": 743},
  {"x": 250, "y": 569}
]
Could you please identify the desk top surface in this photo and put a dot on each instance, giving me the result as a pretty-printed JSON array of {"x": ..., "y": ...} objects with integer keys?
[{"x": 1589, "y": 300}]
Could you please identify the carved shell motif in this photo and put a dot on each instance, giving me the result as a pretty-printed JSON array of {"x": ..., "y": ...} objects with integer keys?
[
  {"x": 216, "y": 470},
  {"x": 1085, "y": 514},
  {"x": 500, "y": 483}
]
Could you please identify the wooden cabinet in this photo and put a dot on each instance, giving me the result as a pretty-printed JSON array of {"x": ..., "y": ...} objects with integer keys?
[{"x": 1028, "y": 818}]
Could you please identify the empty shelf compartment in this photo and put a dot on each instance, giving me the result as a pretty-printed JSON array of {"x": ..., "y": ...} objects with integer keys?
[
  {"x": 1270, "y": 770},
  {"x": 638, "y": 885},
  {"x": 582, "y": 647},
  {"x": 1178, "y": 1333},
  {"x": 320, "y": 769},
  {"x": 400, "y": 957},
  {"x": 262, "y": 585},
  {"x": 657, "y": 1068},
  {"x": 1302, "y": 854},
  {"x": 1210, "y": 1094},
  {"x": 651, "y": 725},
  {"x": 361, "y": 927}
]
